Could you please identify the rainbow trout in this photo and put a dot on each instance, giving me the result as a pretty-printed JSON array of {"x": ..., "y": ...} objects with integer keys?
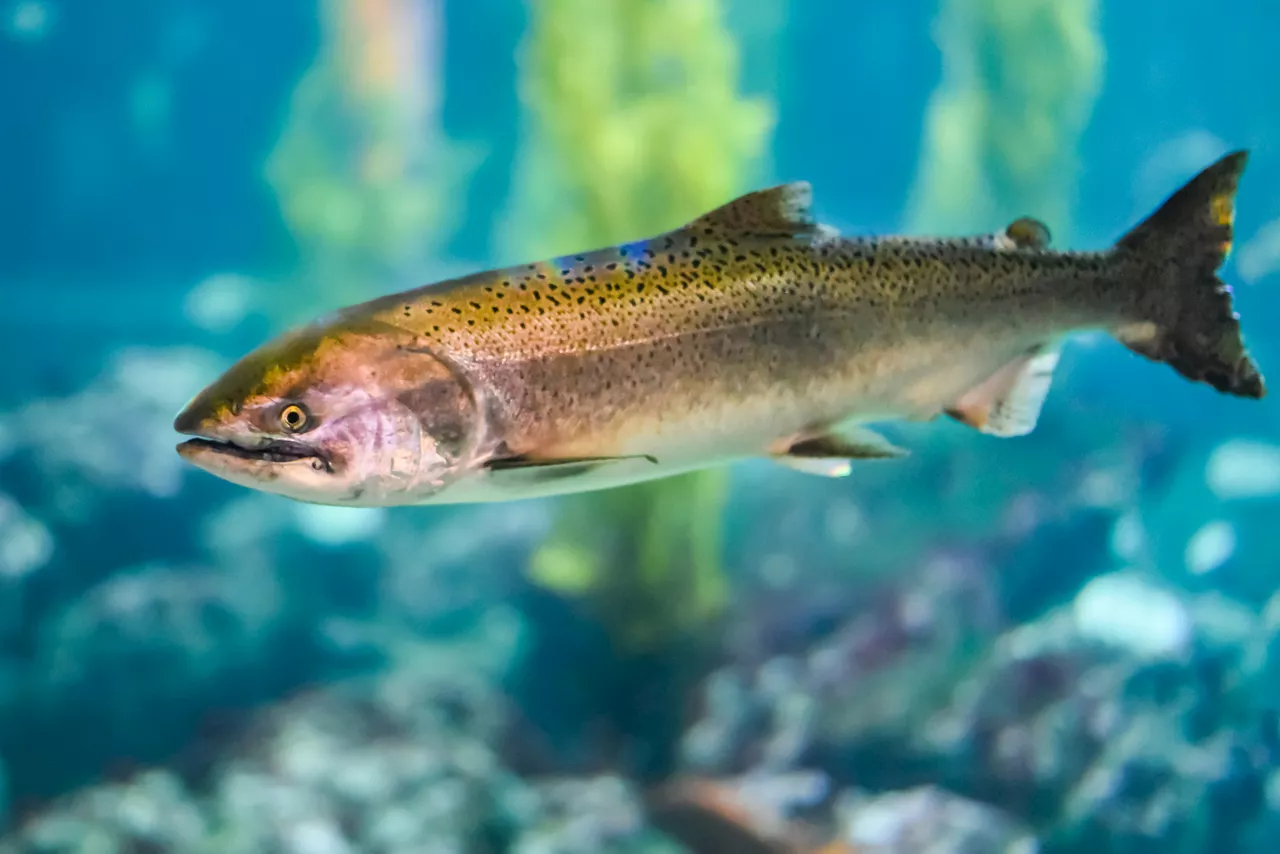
[{"x": 752, "y": 331}]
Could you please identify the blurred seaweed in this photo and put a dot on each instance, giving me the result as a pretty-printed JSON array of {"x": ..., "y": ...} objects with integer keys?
[
  {"x": 1020, "y": 78},
  {"x": 637, "y": 127},
  {"x": 366, "y": 178}
]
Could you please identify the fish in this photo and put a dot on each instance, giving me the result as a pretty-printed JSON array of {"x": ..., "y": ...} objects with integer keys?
[
  {"x": 751, "y": 332},
  {"x": 709, "y": 816}
]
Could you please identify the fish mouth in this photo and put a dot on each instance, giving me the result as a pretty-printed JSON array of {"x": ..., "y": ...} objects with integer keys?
[{"x": 274, "y": 451}]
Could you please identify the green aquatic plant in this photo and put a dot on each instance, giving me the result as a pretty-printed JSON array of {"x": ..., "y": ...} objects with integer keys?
[
  {"x": 1019, "y": 82},
  {"x": 637, "y": 126},
  {"x": 1002, "y": 134},
  {"x": 1001, "y": 138},
  {"x": 366, "y": 180}
]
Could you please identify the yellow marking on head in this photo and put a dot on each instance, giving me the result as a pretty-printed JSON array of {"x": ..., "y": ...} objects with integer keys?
[
  {"x": 1223, "y": 209},
  {"x": 287, "y": 364}
]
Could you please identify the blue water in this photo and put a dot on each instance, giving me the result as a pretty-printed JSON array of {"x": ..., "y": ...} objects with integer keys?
[{"x": 1071, "y": 633}]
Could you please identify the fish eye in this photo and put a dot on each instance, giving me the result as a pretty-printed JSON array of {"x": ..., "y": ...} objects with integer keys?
[{"x": 294, "y": 418}]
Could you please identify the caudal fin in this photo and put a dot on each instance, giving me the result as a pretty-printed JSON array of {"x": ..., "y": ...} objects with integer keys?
[{"x": 1189, "y": 322}]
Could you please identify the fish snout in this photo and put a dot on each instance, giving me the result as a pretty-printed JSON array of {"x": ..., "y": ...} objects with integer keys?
[
  {"x": 191, "y": 419},
  {"x": 207, "y": 417}
]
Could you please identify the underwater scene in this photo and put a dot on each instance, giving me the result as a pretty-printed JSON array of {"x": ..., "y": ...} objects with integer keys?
[{"x": 828, "y": 426}]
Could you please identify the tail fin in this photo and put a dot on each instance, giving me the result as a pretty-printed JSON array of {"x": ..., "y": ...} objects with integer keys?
[{"x": 1176, "y": 253}]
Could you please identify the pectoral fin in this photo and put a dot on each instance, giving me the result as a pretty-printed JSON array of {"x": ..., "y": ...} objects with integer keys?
[
  {"x": 832, "y": 454},
  {"x": 1008, "y": 403},
  {"x": 526, "y": 472}
]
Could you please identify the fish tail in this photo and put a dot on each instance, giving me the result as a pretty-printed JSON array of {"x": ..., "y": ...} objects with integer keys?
[{"x": 1187, "y": 319}]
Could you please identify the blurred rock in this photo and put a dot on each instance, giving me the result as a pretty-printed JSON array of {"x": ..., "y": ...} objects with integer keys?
[
  {"x": 115, "y": 436},
  {"x": 1132, "y": 718},
  {"x": 353, "y": 768},
  {"x": 1242, "y": 468},
  {"x": 1127, "y": 611},
  {"x": 25, "y": 543},
  {"x": 872, "y": 678},
  {"x": 152, "y": 634},
  {"x": 1115, "y": 742},
  {"x": 582, "y": 816},
  {"x": 930, "y": 820},
  {"x": 1211, "y": 547},
  {"x": 1211, "y": 524}
]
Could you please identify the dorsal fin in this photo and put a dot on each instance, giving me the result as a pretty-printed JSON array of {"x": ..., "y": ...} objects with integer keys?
[{"x": 782, "y": 211}]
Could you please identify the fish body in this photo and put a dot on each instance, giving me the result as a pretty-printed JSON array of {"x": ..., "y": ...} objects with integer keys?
[{"x": 752, "y": 331}]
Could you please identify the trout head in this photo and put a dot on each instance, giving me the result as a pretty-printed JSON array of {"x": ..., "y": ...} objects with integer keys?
[{"x": 343, "y": 414}]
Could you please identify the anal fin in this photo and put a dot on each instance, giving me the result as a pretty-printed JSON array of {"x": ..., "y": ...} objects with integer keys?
[
  {"x": 1008, "y": 403},
  {"x": 832, "y": 454}
]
